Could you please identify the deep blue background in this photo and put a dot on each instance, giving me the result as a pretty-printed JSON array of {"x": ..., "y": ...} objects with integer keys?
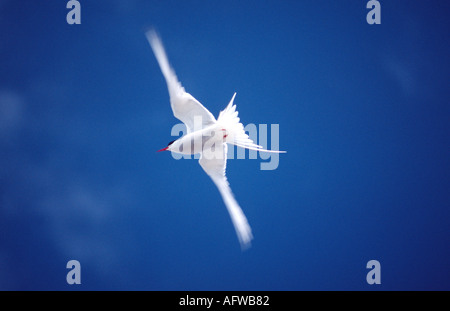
[{"x": 363, "y": 112}]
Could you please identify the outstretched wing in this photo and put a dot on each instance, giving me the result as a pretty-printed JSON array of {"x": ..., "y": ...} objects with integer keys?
[
  {"x": 215, "y": 165},
  {"x": 184, "y": 106}
]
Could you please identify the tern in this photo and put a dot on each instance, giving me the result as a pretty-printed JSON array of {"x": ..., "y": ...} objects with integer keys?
[{"x": 207, "y": 136}]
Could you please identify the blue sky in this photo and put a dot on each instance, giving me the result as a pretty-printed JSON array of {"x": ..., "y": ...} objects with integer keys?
[{"x": 363, "y": 112}]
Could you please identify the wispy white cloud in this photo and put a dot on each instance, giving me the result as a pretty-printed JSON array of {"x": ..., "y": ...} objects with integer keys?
[
  {"x": 79, "y": 221},
  {"x": 11, "y": 112},
  {"x": 403, "y": 74},
  {"x": 81, "y": 214},
  {"x": 405, "y": 59}
]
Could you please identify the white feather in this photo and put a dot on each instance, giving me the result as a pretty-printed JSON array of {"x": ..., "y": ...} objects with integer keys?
[
  {"x": 215, "y": 167},
  {"x": 184, "y": 106}
]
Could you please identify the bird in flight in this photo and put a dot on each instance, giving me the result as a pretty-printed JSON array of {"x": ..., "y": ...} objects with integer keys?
[{"x": 207, "y": 136}]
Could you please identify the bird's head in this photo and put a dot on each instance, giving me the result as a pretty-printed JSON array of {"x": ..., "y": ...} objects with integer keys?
[{"x": 168, "y": 146}]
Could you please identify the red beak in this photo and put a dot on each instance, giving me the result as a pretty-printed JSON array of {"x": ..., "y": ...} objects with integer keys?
[{"x": 163, "y": 149}]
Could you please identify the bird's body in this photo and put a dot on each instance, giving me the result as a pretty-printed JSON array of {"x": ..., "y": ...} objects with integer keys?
[
  {"x": 198, "y": 141},
  {"x": 207, "y": 136}
]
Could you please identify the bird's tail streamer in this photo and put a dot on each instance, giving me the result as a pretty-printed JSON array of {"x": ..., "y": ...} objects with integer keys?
[{"x": 229, "y": 120}]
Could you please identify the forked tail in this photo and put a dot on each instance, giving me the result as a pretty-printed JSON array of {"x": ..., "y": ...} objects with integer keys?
[{"x": 229, "y": 120}]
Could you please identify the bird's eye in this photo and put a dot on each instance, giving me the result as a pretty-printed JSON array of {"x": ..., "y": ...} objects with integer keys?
[{"x": 170, "y": 143}]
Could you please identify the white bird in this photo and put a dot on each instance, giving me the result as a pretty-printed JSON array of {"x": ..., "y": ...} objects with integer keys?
[{"x": 207, "y": 136}]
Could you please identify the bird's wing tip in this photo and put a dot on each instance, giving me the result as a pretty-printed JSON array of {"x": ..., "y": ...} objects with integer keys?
[
  {"x": 151, "y": 33},
  {"x": 245, "y": 246}
]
